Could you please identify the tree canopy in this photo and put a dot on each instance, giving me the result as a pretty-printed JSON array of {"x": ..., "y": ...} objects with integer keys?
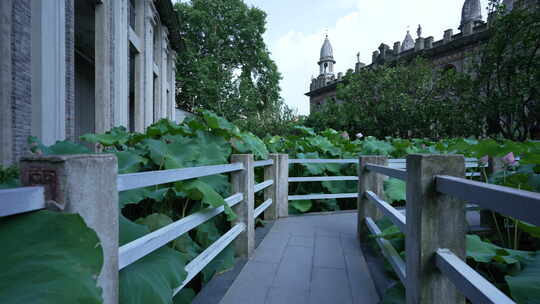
[
  {"x": 225, "y": 66},
  {"x": 496, "y": 96}
]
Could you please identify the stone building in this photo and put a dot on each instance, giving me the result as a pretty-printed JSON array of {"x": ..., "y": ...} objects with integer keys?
[
  {"x": 71, "y": 67},
  {"x": 451, "y": 52}
]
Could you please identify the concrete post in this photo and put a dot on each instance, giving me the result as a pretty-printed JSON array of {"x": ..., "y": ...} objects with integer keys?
[
  {"x": 419, "y": 45},
  {"x": 83, "y": 184},
  {"x": 271, "y": 172},
  {"x": 6, "y": 131},
  {"x": 434, "y": 221},
  {"x": 103, "y": 71},
  {"x": 397, "y": 47},
  {"x": 282, "y": 186},
  {"x": 495, "y": 164},
  {"x": 243, "y": 182},
  {"x": 369, "y": 181},
  {"x": 447, "y": 37},
  {"x": 429, "y": 42}
]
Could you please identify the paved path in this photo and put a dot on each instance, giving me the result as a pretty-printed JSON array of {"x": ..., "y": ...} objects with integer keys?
[{"x": 309, "y": 259}]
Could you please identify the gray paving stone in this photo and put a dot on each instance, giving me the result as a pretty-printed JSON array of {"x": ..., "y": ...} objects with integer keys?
[
  {"x": 328, "y": 252},
  {"x": 254, "y": 295},
  {"x": 284, "y": 295},
  {"x": 304, "y": 241},
  {"x": 293, "y": 275},
  {"x": 330, "y": 286},
  {"x": 310, "y": 259},
  {"x": 350, "y": 244},
  {"x": 361, "y": 284}
]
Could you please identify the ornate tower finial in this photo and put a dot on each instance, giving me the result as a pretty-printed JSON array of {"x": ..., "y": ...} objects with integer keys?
[
  {"x": 408, "y": 42},
  {"x": 326, "y": 62},
  {"x": 471, "y": 12},
  {"x": 419, "y": 31},
  {"x": 358, "y": 57}
]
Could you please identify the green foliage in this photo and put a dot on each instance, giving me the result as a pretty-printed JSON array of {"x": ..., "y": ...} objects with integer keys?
[
  {"x": 226, "y": 67},
  {"x": 394, "y": 190},
  {"x": 153, "y": 278},
  {"x": 494, "y": 94},
  {"x": 9, "y": 177},
  {"x": 525, "y": 286},
  {"x": 49, "y": 257}
]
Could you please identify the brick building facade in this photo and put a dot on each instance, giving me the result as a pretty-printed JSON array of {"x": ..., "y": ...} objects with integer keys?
[
  {"x": 453, "y": 51},
  {"x": 70, "y": 67}
]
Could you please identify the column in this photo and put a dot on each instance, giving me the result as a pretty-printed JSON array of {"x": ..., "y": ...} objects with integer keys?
[
  {"x": 6, "y": 136},
  {"x": 121, "y": 63},
  {"x": 148, "y": 46},
  {"x": 103, "y": 67},
  {"x": 49, "y": 70}
]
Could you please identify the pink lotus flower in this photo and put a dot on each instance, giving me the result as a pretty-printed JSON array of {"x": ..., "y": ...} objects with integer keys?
[
  {"x": 509, "y": 159},
  {"x": 359, "y": 135},
  {"x": 345, "y": 135}
]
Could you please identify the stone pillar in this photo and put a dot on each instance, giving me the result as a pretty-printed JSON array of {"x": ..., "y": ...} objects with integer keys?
[
  {"x": 429, "y": 42},
  {"x": 164, "y": 74},
  {"x": 103, "y": 68},
  {"x": 369, "y": 181},
  {"x": 397, "y": 47},
  {"x": 139, "y": 95},
  {"x": 468, "y": 28},
  {"x": 86, "y": 185},
  {"x": 495, "y": 164},
  {"x": 148, "y": 46},
  {"x": 121, "y": 63},
  {"x": 172, "y": 81},
  {"x": 419, "y": 44},
  {"x": 271, "y": 172},
  {"x": 374, "y": 56},
  {"x": 283, "y": 185},
  {"x": 49, "y": 71},
  {"x": 448, "y": 35},
  {"x": 243, "y": 182},
  {"x": 158, "y": 77},
  {"x": 434, "y": 220},
  {"x": 6, "y": 135}
]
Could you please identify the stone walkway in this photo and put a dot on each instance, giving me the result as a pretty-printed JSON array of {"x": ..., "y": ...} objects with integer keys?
[{"x": 309, "y": 259}]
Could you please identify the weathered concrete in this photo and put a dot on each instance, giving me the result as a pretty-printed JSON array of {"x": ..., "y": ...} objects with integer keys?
[
  {"x": 306, "y": 259},
  {"x": 6, "y": 155},
  {"x": 103, "y": 67},
  {"x": 434, "y": 221},
  {"x": 83, "y": 184},
  {"x": 243, "y": 182},
  {"x": 282, "y": 187},
  {"x": 271, "y": 173},
  {"x": 369, "y": 181},
  {"x": 121, "y": 63}
]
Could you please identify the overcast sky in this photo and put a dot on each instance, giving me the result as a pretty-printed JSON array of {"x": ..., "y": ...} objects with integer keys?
[{"x": 296, "y": 29}]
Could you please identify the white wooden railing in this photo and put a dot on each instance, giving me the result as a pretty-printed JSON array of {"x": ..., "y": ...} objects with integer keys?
[
  {"x": 50, "y": 183},
  {"x": 435, "y": 270}
]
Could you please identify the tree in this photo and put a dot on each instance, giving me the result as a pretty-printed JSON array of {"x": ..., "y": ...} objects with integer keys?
[
  {"x": 508, "y": 72},
  {"x": 225, "y": 66},
  {"x": 401, "y": 100}
]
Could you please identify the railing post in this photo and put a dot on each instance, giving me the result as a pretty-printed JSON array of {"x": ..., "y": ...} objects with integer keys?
[
  {"x": 495, "y": 164},
  {"x": 282, "y": 186},
  {"x": 369, "y": 181},
  {"x": 434, "y": 221},
  {"x": 83, "y": 184},
  {"x": 271, "y": 173},
  {"x": 243, "y": 182}
]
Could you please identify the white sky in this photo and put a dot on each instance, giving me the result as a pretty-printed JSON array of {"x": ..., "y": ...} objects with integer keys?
[{"x": 296, "y": 29}]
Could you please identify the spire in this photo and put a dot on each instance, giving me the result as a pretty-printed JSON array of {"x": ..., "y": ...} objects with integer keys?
[
  {"x": 472, "y": 11},
  {"x": 327, "y": 53},
  {"x": 408, "y": 42}
]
